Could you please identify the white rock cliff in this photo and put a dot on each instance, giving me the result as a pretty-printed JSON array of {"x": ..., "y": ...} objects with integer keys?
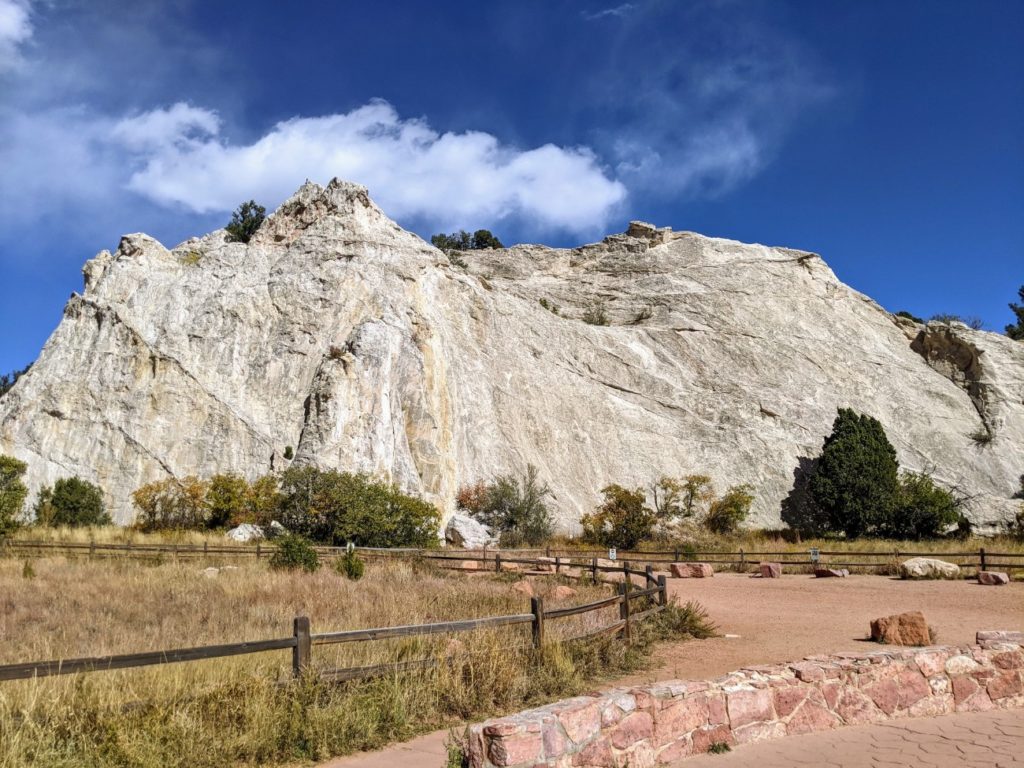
[{"x": 337, "y": 333}]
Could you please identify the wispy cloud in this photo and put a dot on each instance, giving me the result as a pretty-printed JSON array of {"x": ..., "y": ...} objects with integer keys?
[
  {"x": 620, "y": 11},
  {"x": 15, "y": 30}
]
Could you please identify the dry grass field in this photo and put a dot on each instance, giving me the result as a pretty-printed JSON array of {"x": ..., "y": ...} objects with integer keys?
[{"x": 236, "y": 711}]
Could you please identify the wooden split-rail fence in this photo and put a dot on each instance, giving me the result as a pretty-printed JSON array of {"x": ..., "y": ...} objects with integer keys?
[
  {"x": 303, "y": 639},
  {"x": 741, "y": 560}
]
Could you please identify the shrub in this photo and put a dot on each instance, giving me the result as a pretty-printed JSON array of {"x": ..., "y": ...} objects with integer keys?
[
  {"x": 226, "y": 499},
  {"x": 172, "y": 504},
  {"x": 350, "y": 566},
  {"x": 982, "y": 435},
  {"x": 971, "y": 322},
  {"x": 294, "y": 552},
  {"x": 909, "y": 316},
  {"x": 622, "y": 520},
  {"x": 72, "y": 502},
  {"x": 595, "y": 314},
  {"x": 727, "y": 513},
  {"x": 1020, "y": 492},
  {"x": 856, "y": 482},
  {"x": 463, "y": 241},
  {"x": 339, "y": 507},
  {"x": 552, "y": 308},
  {"x": 8, "y": 380},
  {"x": 1016, "y": 330},
  {"x": 12, "y": 492},
  {"x": 245, "y": 221},
  {"x": 515, "y": 507},
  {"x": 289, "y": 454},
  {"x": 923, "y": 509},
  {"x": 472, "y": 498}
]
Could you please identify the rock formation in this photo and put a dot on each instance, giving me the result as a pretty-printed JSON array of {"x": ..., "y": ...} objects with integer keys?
[{"x": 340, "y": 335}]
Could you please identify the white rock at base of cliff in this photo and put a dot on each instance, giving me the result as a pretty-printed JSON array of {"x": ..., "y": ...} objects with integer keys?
[{"x": 464, "y": 532}]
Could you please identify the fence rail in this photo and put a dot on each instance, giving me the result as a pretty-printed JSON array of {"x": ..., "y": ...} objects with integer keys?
[
  {"x": 979, "y": 559},
  {"x": 303, "y": 640}
]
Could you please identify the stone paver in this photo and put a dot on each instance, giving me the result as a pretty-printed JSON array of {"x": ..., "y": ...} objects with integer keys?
[{"x": 973, "y": 740}]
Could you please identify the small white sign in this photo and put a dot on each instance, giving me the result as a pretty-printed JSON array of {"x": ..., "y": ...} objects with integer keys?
[
  {"x": 611, "y": 553},
  {"x": 815, "y": 554}
]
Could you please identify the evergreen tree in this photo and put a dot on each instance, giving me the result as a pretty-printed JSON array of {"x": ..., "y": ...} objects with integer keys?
[
  {"x": 12, "y": 492},
  {"x": 856, "y": 484},
  {"x": 72, "y": 502},
  {"x": 1016, "y": 331},
  {"x": 245, "y": 221}
]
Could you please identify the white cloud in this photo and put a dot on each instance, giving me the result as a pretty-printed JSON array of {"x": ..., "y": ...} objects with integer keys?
[
  {"x": 620, "y": 11},
  {"x": 453, "y": 179},
  {"x": 15, "y": 29}
]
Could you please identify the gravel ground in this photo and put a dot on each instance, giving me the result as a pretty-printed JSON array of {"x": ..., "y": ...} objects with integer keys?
[{"x": 785, "y": 619}]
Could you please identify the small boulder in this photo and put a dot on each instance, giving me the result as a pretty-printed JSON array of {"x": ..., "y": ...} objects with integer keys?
[
  {"x": 524, "y": 587},
  {"x": 901, "y": 629},
  {"x": 691, "y": 570},
  {"x": 463, "y": 532},
  {"x": 928, "y": 568},
  {"x": 546, "y": 564},
  {"x": 831, "y": 573},
  {"x": 993, "y": 578},
  {"x": 211, "y": 572},
  {"x": 246, "y": 532},
  {"x": 275, "y": 529},
  {"x": 771, "y": 570},
  {"x": 562, "y": 592}
]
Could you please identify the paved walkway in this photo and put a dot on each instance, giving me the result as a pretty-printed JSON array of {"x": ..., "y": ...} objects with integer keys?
[{"x": 974, "y": 740}]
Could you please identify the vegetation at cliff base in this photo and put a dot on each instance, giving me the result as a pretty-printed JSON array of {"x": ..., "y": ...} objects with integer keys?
[
  {"x": 516, "y": 508},
  {"x": 12, "y": 492},
  {"x": 71, "y": 502}
]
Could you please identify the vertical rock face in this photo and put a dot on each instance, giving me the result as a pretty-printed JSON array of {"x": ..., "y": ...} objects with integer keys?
[{"x": 340, "y": 335}]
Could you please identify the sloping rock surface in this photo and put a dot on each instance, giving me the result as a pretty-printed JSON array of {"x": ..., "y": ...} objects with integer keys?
[{"x": 339, "y": 334}]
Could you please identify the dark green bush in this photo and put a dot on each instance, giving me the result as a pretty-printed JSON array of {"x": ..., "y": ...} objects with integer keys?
[
  {"x": 245, "y": 221},
  {"x": 340, "y": 507},
  {"x": 463, "y": 241},
  {"x": 514, "y": 507},
  {"x": 350, "y": 566},
  {"x": 1016, "y": 330},
  {"x": 293, "y": 553},
  {"x": 12, "y": 492},
  {"x": 622, "y": 520},
  {"x": 8, "y": 380},
  {"x": 909, "y": 316},
  {"x": 923, "y": 509},
  {"x": 72, "y": 502},
  {"x": 595, "y": 315},
  {"x": 856, "y": 482}
]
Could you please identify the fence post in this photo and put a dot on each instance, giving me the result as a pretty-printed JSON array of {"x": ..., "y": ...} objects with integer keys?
[
  {"x": 558, "y": 564},
  {"x": 206, "y": 548},
  {"x": 624, "y": 612},
  {"x": 537, "y": 607},
  {"x": 625, "y": 572},
  {"x": 663, "y": 586},
  {"x": 547, "y": 551},
  {"x": 257, "y": 549},
  {"x": 650, "y": 576},
  {"x": 92, "y": 548},
  {"x": 981, "y": 552},
  {"x": 743, "y": 561},
  {"x": 593, "y": 566},
  {"x": 497, "y": 562},
  {"x": 303, "y": 645},
  {"x": 675, "y": 556}
]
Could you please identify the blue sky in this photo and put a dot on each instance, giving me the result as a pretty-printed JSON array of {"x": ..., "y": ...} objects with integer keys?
[{"x": 886, "y": 136}]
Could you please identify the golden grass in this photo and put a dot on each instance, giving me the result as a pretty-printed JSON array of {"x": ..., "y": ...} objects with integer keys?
[{"x": 244, "y": 710}]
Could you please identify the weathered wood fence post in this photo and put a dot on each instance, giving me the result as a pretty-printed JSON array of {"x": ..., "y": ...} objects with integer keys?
[
  {"x": 981, "y": 558},
  {"x": 624, "y": 612},
  {"x": 663, "y": 594},
  {"x": 303, "y": 649},
  {"x": 497, "y": 562},
  {"x": 537, "y": 607}
]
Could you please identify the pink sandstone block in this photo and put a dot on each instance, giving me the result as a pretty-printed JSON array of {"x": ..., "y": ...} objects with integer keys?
[
  {"x": 582, "y": 721},
  {"x": 750, "y": 707},
  {"x": 517, "y": 748},
  {"x": 999, "y": 636},
  {"x": 637, "y": 727},
  {"x": 680, "y": 718},
  {"x": 993, "y": 578},
  {"x": 691, "y": 570},
  {"x": 771, "y": 570},
  {"x": 703, "y": 738},
  {"x": 1004, "y": 685},
  {"x": 759, "y": 732}
]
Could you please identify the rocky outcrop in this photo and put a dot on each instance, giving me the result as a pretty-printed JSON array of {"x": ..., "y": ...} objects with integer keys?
[
  {"x": 336, "y": 333},
  {"x": 928, "y": 568},
  {"x": 464, "y": 532}
]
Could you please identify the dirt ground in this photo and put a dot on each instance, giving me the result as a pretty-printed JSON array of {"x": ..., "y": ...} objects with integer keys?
[{"x": 785, "y": 619}]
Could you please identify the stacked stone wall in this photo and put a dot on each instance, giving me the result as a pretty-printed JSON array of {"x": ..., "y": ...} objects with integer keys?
[{"x": 658, "y": 724}]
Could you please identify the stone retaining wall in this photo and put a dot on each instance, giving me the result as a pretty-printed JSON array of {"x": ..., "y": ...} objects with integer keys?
[{"x": 658, "y": 724}]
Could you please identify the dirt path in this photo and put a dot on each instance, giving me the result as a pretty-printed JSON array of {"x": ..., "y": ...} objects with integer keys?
[
  {"x": 778, "y": 620},
  {"x": 785, "y": 619}
]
